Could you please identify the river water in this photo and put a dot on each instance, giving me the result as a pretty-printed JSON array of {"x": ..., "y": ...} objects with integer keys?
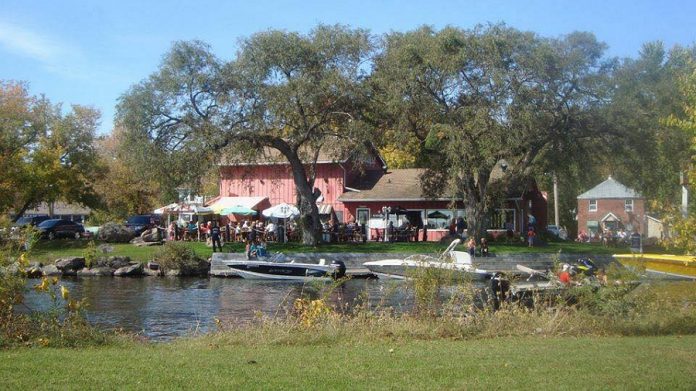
[{"x": 164, "y": 308}]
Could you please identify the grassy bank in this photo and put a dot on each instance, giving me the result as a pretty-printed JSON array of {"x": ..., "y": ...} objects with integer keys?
[
  {"x": 50, "y": 250},
  {"x": 503, "y": 363}
]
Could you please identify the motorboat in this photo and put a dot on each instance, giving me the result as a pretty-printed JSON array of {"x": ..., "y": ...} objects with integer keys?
[
  {"x": 458, "y": 262},
  {"x": 278, "y": 267},
  {"x": 662, "y": 265}
]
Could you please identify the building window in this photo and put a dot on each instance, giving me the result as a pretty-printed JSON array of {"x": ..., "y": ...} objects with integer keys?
[
  {"x": 628, "y": 205},
  {"x": 438, "y": 218},
  {"x": 593, "y": 205},
  {"x": 363, "y": 215}
]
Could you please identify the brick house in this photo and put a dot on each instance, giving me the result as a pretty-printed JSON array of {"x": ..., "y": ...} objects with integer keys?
[
  {"x": 358, "y": 187},
  {"x": 610, "y": 205}
]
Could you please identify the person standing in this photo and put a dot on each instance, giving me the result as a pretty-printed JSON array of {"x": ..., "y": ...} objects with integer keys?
[
  {"x": 215, "y": 236},
  {"x": 471, "y": 244},
  {"x": 530, "y": 236}
]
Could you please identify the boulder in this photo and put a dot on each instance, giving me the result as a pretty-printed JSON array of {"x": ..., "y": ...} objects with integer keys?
[
  {"x": 114, "y": 262},
  {"x": 34, "y": 272},
  {"x": 151, "y": 235},
  {"x": 74, "y": 263},
  {"x": 96, "y": 271},
  {"x": 51, "y": 270},
  {"x": 119, "y": 262},
  {"x": 152, "y": 273},
  {"x": 35, "y": 264},
  {"x": 141, "y": 243},
  {"x": 131, "y": 270},
  {"x": 115, "y": 233}
]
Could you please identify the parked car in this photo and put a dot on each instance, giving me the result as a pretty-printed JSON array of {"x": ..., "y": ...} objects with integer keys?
[
  {"x": 60, "y": 228},
  {"x": 32, "y": 221},
  {"x": 140, "y": 223},
  {"x": 559, "y": 232}
]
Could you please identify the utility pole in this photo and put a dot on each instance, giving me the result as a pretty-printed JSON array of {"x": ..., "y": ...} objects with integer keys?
[
  {"x": 555, "y": 200},
  {"x": 684, "y": 182}
]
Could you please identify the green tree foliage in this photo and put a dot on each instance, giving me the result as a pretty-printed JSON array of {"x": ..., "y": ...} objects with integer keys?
[
  {"x": 653, "y": 151},
  {"x": 138, "y": 192},
  {"x": 291, "y": 93},
  {"x": 478, "y": 97},
  {"x": 45, "y": 155}
]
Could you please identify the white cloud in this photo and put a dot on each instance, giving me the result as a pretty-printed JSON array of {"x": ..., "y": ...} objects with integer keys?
[{"x": 54, "y": 55}]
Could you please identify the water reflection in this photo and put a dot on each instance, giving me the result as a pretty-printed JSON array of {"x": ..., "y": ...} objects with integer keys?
[{"x": 163, "y": 308}]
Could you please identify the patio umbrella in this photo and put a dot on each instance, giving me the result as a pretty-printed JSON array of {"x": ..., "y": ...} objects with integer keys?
[
  {"x": 282, "y": 211},
  {"x": 437, "y": 215},
  {"x": 238, "y": 210}
]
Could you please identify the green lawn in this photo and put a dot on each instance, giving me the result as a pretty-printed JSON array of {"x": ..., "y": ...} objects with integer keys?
[
  {"x": 50, "y": 250},
  {"x": 661, "y": 363}
]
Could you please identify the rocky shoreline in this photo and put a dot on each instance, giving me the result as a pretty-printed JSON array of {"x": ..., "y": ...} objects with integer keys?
[{"x": 117, "y": 266}]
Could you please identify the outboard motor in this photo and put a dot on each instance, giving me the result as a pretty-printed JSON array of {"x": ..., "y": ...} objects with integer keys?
[
  {"x": 339, "y": 269},
  {"x": 584, "y": 266},
  {"x": 500, "y": 286}
]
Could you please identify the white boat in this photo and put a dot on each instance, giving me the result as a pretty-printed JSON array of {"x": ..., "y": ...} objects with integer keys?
[
  {"x": 457, "y": 261},
  {"x": 279, "y": 268}
]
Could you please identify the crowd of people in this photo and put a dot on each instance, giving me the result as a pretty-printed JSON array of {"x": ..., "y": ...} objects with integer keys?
[{"x": 229, "y": 232}]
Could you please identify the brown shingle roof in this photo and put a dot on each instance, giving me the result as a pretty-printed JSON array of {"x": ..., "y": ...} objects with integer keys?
[{"x": 394, "y": 185}]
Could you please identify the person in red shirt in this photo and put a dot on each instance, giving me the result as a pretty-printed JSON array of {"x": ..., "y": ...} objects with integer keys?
[
  {"x": 564, "y": 275},
  {"x": 530, "y": 237}
]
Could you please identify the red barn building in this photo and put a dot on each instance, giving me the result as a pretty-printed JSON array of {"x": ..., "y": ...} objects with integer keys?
[
  {"x": 610, "y": 206},
  {"x": 358, "y": 188}
]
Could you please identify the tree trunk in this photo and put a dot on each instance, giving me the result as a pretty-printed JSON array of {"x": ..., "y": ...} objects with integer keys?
[
  {"x": 21, "y": 211},
  {"x": 309, "y": 213},
  {"x": 474, "y": 218}
]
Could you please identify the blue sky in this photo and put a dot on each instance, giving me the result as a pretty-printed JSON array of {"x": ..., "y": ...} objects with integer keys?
[{"x": 90, "y": 52}]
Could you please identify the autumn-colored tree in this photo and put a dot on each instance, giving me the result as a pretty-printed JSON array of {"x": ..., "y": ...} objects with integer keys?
[{"x": 45, "y": 155}]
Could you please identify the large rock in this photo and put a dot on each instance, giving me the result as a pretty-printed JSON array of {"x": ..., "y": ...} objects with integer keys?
[
  {"x": 131, "y": 270},
  {"x": 96, "y": 271},
  {"x": 51, "y": 270},
  {"x": 74, "y": 263},
  {"x": 152, "y": 273},
  {"x": 151, "y": 235},
  {"x": 115, "y": 233},
  {"x": 34, "y": 272},
  {"x": 114, "y": 262}
]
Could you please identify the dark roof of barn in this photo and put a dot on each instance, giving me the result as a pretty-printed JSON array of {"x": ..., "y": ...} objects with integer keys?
[{"x": 405, "y": 185}]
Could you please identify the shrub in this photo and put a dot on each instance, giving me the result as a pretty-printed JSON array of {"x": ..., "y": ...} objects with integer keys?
[
  {"x": 178, "y": 256},
  {"x": 115, "y": 233}
]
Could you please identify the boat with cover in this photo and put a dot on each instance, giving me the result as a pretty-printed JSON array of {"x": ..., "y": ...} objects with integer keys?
[
  {"x": 457, "y": 261},
  {"x": 663, "y": 265},
  {"x": 279, "y": 267}
]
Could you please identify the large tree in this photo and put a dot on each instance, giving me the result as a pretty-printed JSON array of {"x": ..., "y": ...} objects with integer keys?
[
  {"x": 653, "y": 151},
  {"x": 45, "y": 155},
  {"x": 479, "y": 97},
  {"x": 292, "y": 93}
]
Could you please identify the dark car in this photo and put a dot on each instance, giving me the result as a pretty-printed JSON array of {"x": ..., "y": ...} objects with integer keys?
[
  {"x": 31, "y": 221},
  {"x": 60, "y": 228},
  {"x": 140, "y": 223}
]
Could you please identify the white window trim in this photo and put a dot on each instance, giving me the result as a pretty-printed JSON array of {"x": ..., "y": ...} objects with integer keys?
[
  {"x": 595, "y": 206},
  {"x": 627, "y": 203},
  {"x": 357, "y": 213}
]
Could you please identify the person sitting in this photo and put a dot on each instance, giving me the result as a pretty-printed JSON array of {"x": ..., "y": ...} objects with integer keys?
[
  {"x": 484, "y": 247},
  {"x": 564, "y": 275},
  {"x": 261, "y": 249},
  {"x": 251, "y": 250}
]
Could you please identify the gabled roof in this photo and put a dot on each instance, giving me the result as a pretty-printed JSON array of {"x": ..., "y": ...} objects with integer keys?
[
  {"x": 405, "y": 185},
  {"x": 394, "y": 185},
  {"x": 609, "y": 189}
]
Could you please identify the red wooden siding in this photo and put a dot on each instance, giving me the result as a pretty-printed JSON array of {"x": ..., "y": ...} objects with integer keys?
[{"x": 276, "y": 183}]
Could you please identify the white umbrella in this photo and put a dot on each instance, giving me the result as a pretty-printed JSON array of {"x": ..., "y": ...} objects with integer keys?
[{"x": 282, "y": 211}]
